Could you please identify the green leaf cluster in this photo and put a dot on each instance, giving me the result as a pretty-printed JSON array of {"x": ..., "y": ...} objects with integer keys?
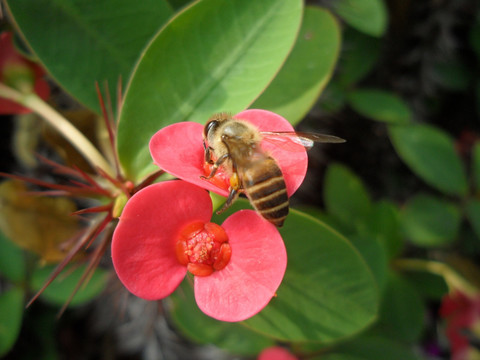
[
  {"x": 375, "y": 229},
  {"x": 429, "y": 220}
]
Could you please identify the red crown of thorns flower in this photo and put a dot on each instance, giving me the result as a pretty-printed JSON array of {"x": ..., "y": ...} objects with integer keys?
[
  {"x": 145, "y": 251},
  {"x": 165, "y": 229}
]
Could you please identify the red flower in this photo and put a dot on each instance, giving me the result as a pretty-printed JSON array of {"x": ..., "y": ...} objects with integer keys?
[
  {"x": 20, "y": 73},
  {"x": 164, "y": 230},
  {"x": 463, "y": 315},
  {"x": 178, "y": 149},
  {"x": 276, "y": 353}
]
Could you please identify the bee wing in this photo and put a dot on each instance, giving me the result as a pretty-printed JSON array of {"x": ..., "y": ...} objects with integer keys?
[{"x": 289, "y": 140}]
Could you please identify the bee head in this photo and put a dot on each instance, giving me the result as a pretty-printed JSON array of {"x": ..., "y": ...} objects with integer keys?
[
  {"x": 210, "y": 127},
  {"x": 213, "y": 123}
]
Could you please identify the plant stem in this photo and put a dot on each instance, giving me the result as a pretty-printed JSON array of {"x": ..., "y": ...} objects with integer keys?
[
  {"x": 62, "y": 125},
  {"x": 453, "y": 279}
]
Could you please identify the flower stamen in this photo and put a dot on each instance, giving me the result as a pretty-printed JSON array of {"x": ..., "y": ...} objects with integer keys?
[{"x": 203, "y": 248}]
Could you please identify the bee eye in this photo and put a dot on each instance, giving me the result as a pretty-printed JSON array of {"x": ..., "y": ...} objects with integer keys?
[{"x": 210, "y": 126}]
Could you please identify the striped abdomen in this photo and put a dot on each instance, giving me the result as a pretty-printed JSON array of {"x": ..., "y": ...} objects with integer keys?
[{"x": 265, "y": 187}]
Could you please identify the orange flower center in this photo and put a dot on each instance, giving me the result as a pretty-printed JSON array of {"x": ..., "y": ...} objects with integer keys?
[{"x": 203, "y": 248}]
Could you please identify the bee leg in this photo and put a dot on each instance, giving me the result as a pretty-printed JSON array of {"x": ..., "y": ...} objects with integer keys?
[
  {"x": 234, "y": 192},
  {"x": 208, "y": 154},
  {"x": 215, "y": 166},
  {"x": 232, "y": 196}
]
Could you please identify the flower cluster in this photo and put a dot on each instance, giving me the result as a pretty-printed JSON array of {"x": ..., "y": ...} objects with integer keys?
[{"x": 165, "y": 229}]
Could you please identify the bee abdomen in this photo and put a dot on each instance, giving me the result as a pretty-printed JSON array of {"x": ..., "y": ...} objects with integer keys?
[{"x": 265, "y": 187}]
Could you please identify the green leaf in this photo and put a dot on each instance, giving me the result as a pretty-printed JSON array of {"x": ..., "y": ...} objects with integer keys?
[
  {"x": 384, "y": 225},
  {"x": 12, "y": 261},
  {"x": 59, "y": 291},
  {"x": 346, "y": 198},
  {"x": 325, "y": 218},
  {"x": 360, "y": 53},
  {"x": 429, "y": 221},
  {"x": 402, "y": 311},
  {"x": 374, "y": 348},
  {"x": 380, "y": 105},
  {"x": 213, "y": 56},
  {"x": 308, "y": 68},
  {"x": 178, "y": 4},
  {"x": 476, "y": 165},
  {"x": 80, "y": 42},
  {"x": 11, "y": 313},
  {"x": 472, "y": 209},
  {"x": 202, "y": 329},
  {"x": 430, "y": 154},
  {"x": 325, "y": 280},
  {"x": 374, "y": 255},
  {"x": 368, "y": 16},
  {"x": 430, "y": 286}
]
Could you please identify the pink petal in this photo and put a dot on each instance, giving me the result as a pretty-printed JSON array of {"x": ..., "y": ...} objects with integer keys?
[
  {"x": 178, "y": 149},
  {"x": 292, "y": 163},
  {"x": 143, "y": 243},
  {"x": 276, "y": 353},
  {"x": 249, "y": 281}
]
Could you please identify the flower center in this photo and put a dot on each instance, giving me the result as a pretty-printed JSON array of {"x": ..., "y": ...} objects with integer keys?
[{"x": 203, "y": 248}]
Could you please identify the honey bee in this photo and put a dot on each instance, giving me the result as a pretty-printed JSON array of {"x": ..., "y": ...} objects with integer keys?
[{"x": 234, "y": 145}]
